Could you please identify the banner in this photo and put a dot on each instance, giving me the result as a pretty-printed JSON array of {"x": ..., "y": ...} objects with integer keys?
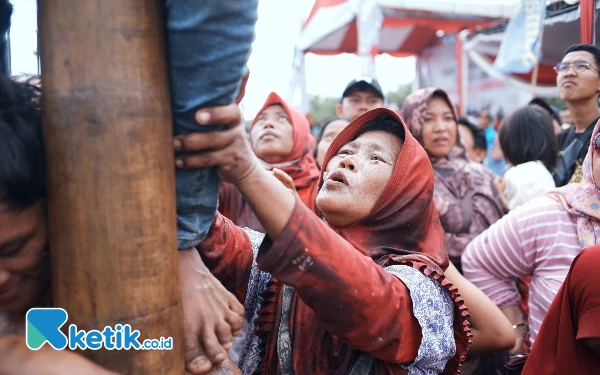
[{"x": 520, "y": 48}]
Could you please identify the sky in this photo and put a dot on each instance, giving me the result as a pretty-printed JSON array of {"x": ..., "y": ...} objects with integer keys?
[{"x": 277, "y": 30}]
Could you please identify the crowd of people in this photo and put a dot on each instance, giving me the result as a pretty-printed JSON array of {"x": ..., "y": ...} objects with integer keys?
[{"x": 415, "y": 242}]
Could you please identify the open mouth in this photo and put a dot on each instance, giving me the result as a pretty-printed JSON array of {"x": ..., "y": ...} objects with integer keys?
[{"x": 338, "y": 177}]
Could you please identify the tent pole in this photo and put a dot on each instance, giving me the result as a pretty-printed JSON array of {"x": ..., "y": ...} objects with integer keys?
[
  {"x": 594, "y": 21},
  {"x": 110, "y": 166},
  {"x": 536, "y": 69},
  {"x": 587, "y": 10},
  {"x": 462, "y": 72}
]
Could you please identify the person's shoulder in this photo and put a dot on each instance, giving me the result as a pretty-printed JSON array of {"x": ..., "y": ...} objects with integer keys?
[
  {"x": 530, "y": 171},
  {"x": 541, "y": 209},
  {"x": 475, "y": 167},
  {"x": 585, "y": 264},
  {"x": 566, "y": 131},
  {"x": 589, "y": 256},
  {"x": 563, "y": 135}
]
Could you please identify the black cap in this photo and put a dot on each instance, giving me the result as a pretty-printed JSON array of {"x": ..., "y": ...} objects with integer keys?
[{"x": 364, "y": 82}]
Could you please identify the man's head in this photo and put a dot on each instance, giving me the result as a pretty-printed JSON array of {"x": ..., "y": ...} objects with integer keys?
[
  {"x": 578, "y": 74},
  {"x": 24, "y": 267},
  {"x": 473, "y": 139},
  {"x": 484, "y": 119},
  {"x": 361, "y": 95},
  {"x": 357, "y": 175}
]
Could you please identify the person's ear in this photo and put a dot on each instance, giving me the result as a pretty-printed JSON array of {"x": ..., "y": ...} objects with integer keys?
[{"x": 339, "y": 110}]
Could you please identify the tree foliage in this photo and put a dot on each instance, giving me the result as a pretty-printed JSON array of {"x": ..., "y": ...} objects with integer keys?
[
  {"x": 322, "y": 109},
  {"x": 397, "y": 97}
]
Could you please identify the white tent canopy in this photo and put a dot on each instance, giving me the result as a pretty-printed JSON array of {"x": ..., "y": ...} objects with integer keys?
[{"x": 480, "y": 8}]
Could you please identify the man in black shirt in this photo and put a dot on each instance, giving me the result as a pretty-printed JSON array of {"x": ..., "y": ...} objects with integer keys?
[{"x": 578, "y": 81}]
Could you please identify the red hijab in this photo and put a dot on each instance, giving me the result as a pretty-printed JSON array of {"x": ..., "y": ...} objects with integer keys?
[
  {"x": 303, "y": 170},
  {"x": 404, "y": 220},
  {"x": 300, "y": 165},
  {"x": 574, "y": 314},
  {"x": 404, "y": 227}
]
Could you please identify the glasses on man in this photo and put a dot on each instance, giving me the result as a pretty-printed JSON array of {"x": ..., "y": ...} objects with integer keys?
[{"x": 578, "y": 66}]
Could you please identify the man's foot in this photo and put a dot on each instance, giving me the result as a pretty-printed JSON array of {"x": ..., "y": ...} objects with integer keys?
[{"x": 212, "y": 316}]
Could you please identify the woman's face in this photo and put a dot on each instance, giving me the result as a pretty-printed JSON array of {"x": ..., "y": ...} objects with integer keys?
[
  {"x": 272, "y": 135},
  {"x": 334, "y": 128},
  {"x": 356, "y": 177},
  {"x": 439, "y": 128}
]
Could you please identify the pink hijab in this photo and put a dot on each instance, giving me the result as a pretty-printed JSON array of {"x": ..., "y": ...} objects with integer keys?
[{"x": 583, "y": 200}]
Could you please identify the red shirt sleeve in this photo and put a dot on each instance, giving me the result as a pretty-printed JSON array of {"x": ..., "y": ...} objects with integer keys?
[
  {"x": 227, "y": 252},
  {"x": 225, "y": 194},
  {"x": 353, "y": 298},
  {"x": 585, "y": 288}
]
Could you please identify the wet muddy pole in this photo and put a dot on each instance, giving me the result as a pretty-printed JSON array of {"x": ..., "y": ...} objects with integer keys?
[{"x": 111, "y": 191}]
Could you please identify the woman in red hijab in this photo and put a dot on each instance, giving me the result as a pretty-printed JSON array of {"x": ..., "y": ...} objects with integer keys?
[
  {"x": 360, "y": 293},
  {"x": 281, "y": 139},
  {"x": 569, "y": 339}
]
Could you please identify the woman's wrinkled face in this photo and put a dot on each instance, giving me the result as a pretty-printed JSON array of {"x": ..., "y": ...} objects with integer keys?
[
  {"x": 439, "y": 128},
  {"x": 272, "y": 135},
  {"x": 356, "y": 177},
  {"x": 24, "y": 266},
  {"x": 332, "y": 130}
]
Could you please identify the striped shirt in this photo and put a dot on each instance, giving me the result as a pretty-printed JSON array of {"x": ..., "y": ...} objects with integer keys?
[{"x": 538, "y": 239}]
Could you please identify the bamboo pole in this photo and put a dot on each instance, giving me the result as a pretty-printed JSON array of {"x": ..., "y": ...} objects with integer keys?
[
  {"x": 111, "y": 207},
  {"x": 536, "y": 69}
]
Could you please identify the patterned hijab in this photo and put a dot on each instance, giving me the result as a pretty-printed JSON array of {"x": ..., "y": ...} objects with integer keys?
[
  {"x": 414, "y": 111},
  {"x": 300, "y": 163},
  {"x": 583, "y": 200},
  {"x": 460, "y": 176},
  {"x": 404, "y": 220}
]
